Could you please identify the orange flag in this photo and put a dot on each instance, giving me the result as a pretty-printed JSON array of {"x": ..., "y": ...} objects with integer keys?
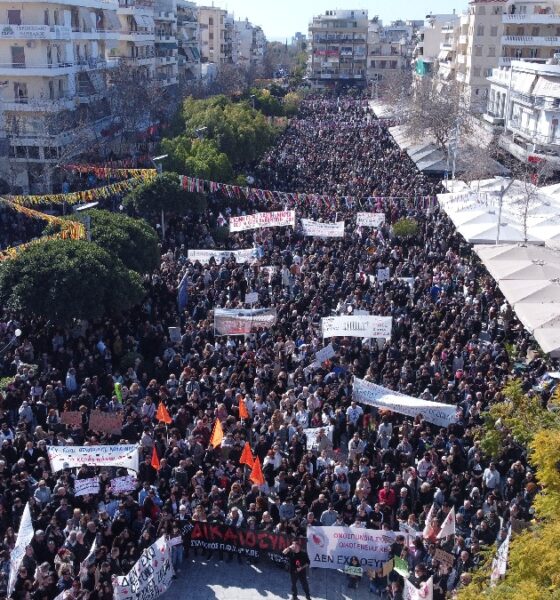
[
  {"x": 162, "y": 414},
  {"x": 247, "y": 456},
  {"x": 243, "y": 412},
  {"x": 217, "y": 434},
  {"x": 155, "y": 459},
  {"x": 256, "y": 475}
]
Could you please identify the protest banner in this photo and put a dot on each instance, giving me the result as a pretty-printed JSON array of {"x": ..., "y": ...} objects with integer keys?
[
  {"x": 445, "y": 558},
  {"x": 68, "y": 457},
  {"x": 242, "y": 321},
  {"x": 121, "y": 485},
  {"x": 71, "y": 417},
  {"x": 86, "y": 486},
  {"x": 333, "y": 547},
  {"x": 24, "y": 537},
  {"x": 499, "y": 563},
  {"x": 311, "y": 435},
  {"x": 281, "y": 218},
  {"x": 362, "y": 326},
  {"x": 174, "y": 334},
  {"x": 424, "y": 592},
  {"x": 251, "y": 298},
  {"x": 324, "y": 354},
  {"x": 383, "y": 274},
  {"x": 150, "y": 576},
  {"x": 369, "y": 219},
  {"x": 105, "y": 422},
  {"x": 325, "y": 230},
  {"x": 246, "y": 542},
  {"x": 204, "y": 256},
  {"x": 371, "y": 394}
]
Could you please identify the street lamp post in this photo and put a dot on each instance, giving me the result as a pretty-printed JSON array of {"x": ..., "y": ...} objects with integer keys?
[{"x": 157, "y": 162}]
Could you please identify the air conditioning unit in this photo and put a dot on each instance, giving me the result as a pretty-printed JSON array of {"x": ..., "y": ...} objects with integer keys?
[{"x": 30, "y": 44}]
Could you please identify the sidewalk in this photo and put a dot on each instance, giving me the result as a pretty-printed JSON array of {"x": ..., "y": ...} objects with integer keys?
[{"x": 200, "y": 579}]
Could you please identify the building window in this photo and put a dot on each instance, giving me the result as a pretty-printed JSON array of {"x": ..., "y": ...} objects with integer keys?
[
  {"x": 47, "y": 17},
  {"x": 488, "y": 73},
  {"x": 533, "y": 52},
  {"x": 493, "y": 31},
  {"x": 476, "y": 71},
  {"x": 481, "y": 10},
  {"x": 492, "y": 51},
  {"x": 478, "y": 51},
  {"x": 20, "y": 92},
  {"x": 14, "y": 17},
  {"x": 210, "y": 22},
  {"x": 535, "y": 31},
  {"x": 480, "y": 30},
  {"x": 18, "y": 57},
  {"x": 211, "y": 35}
]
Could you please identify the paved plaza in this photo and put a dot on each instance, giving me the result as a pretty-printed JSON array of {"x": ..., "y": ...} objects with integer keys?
[{"x": 200, "y": 579}]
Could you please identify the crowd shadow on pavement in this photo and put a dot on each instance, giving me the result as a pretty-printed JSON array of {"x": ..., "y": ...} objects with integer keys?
[{"x": 202, "y": 579}]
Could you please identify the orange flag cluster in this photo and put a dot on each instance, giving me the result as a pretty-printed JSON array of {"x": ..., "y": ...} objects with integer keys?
[
  {"x": 162, "y": 414},
  {"x": 253, "y": 463}
]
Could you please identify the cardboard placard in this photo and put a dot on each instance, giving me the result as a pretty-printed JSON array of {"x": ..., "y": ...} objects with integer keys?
[
  {"x": 445, "y": 558},
  {"x": 105, "y": 422},
  {"x": 71, "y": 417}
]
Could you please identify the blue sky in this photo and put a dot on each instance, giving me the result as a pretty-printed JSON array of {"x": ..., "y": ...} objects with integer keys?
[{"x": 282, "y": 19}]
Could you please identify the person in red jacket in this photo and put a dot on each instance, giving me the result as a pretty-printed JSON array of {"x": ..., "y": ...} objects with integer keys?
[{"x": 387, "y": 495}]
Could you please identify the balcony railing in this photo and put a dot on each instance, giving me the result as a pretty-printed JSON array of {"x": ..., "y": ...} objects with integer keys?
[
  {"x": 530, "y": 40},
  {"x": 34, "y": 32},
  {"x": 545, "y": 18}
]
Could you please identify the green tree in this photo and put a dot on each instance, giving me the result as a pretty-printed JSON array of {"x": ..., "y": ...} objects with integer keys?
[
  {"x": 198, "y": 158},
  {"x": 405, "y": 228},
  {"x": 63, "y": 280},
  {"x": 134, "y": 241}
]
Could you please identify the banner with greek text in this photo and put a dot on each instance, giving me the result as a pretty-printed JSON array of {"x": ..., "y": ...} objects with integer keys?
[
  {"x": 324, "y": 354},
  {"x": 325, "y": 230},
  {"x": 204, "y": 256},
  {"x": 24, "y": 537},
  {"x": 121, "y": 485},
  {"x": 242, "y": 321},
  {"x": 333, "y": 547},
  {"x": 149, "y": 577},
  {"x": 380, "y": 397},
  {"x": 280, "y": 218},
  {"x": 68, "y": 457},
  {"x": 86, "y": 486},
  {"x": 362, "y": 326},
  {"x": 369, "y": 219}
]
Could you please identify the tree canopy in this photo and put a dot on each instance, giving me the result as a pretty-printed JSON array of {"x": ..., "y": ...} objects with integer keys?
[
  {"x": 62, "y": 280},
  {"x": 134, "y": 241}
]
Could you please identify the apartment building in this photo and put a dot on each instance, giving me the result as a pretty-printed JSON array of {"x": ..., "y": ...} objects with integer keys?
[
  {"x": 249, "y": 44},
  {"x": 136, "y": 41},
  {"x": 431, "y": 36},
  {"x": 54, "y": 60},
  {"x": 389, "y": 49},
  {"x": 524, "y": 101},
  {"x": 338, "y": 48},
  {"x": 216, "y": 35},
  {"x": 188, "y": 41},
  {"x": 165, "y": 42}
]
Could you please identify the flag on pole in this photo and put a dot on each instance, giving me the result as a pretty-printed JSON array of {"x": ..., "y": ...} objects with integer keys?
[
  {"x": 256, "y": 475},
  {"x": 217, "y": 436},
  {"x": 155, "y": 459},
  {"x": 247, "y": 456},
  {"x": 401, "y": 566},
  {"x": 24, "y": 537},
  {"x": 118, "y": 391},
  {"x": 428, "y": 525},
  {"x": 424, "y": 592},
  {"x": 448, "y": 527},
  {"x": 499, "y": 564},
  {"x": 183, "y": 293},
  {"x": 162, "y": 414},
  {"x": 243, "y": 412}
]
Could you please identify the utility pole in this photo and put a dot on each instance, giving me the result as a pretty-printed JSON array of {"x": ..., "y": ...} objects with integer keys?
[{"x": 159, "y": 167}]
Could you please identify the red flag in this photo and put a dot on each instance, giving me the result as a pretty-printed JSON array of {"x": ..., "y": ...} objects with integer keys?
[
  {"x": 243, "y": 412},
  {"x": 247, "y": 456},
  {"x": 155, "y": 459},
  {"x": 163, "y": 415},
  {"x": 217, "y": 436},
  {"x": 256, "y": 475}
]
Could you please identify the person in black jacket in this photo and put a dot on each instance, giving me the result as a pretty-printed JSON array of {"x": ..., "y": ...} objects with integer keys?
[{"x": 299, "y": 561}]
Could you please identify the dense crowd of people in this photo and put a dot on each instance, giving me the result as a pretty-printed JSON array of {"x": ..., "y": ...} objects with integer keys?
[{"x": 379, "y": 470}]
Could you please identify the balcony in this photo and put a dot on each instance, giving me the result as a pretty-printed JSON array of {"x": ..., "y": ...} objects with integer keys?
[
  {"x": 97, "y": 34},
  {"x": 462, "y": 59},
  {"x": 463, "y": 39},
  {"x": 537, "y": 19},
  {"x": 165, "y": 60},
  {"x": 493, "y": 118},
  {"x": 165, "y": 16},
  {"x": 460, "y": 77},
  {"x": 137, "y": 36},
  {"x": 505, "y": 61},
  {"x": 139, "y": 61},
  {"x": 34, "y": 32},
  {"x": 552, "y": 41},
  {"x": 102, "y": 4},
  {"x": 36, "y": 69},
  {"x": 27, "y": 104},
  {"x": 165, "y": 38}
]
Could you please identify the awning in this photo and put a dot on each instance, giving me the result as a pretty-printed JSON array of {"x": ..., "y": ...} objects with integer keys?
[
  {"x": 111, "y": 20},
  {"x": 84, "y": 18},
  {"x": 547, "y": 86},
  {"x": 523, "y": 82},
  {"x": 144, "y": 21},
  {"x": 444, "y": 54}
]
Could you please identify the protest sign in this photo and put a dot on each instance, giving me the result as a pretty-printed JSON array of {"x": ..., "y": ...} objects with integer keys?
[
  {"x": 242, "y": 321},
  {"x": 105, "y": 422},
  {"x": 312, "y": 432},
  {"x": 174, "y": 334},
  {"x": 86, "y": 486},
  {"x": 246, "y": 542},
  {"x": 251, "y": 298},
  {"x": 369, "y": 219},
  {"x": 121, "y": 485},
  {"x": 445, "y": 558},
  {"x": 334, "y": 547},
  {"x": 424, "y": 592},
  {"x": 383, "y": 274},
  {"x": 24, "y": 537},
  {"x": 68, "y": 457},
  {"x": 71, "y": 417},
  {"x": 362, "y": 326},
  {"x": 354, "y": 571},
  {"x": 326, "y": 230},
  {"x": 204, "y": 256},
  {"x": 150, "y": 576},
  {"x": 374, "y": 395},
  {"x": 282, "y": 218},
  {"x": 400, "y": 566},
  {"x": 324, "y": 354}
]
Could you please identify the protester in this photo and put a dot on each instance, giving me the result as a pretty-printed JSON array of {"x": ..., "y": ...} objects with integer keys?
[{"x": 299, "y": 562}]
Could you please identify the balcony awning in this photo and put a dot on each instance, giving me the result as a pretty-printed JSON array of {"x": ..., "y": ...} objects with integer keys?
[
  {"x": 523, "y": 83},
  {"x": 444, "y": 54},
  {"x": 84, "y": 17},
  {"x": 144, "y": 21},
  {"x": 548, "y": 87},
  {"x": 111, "y": 20}
]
